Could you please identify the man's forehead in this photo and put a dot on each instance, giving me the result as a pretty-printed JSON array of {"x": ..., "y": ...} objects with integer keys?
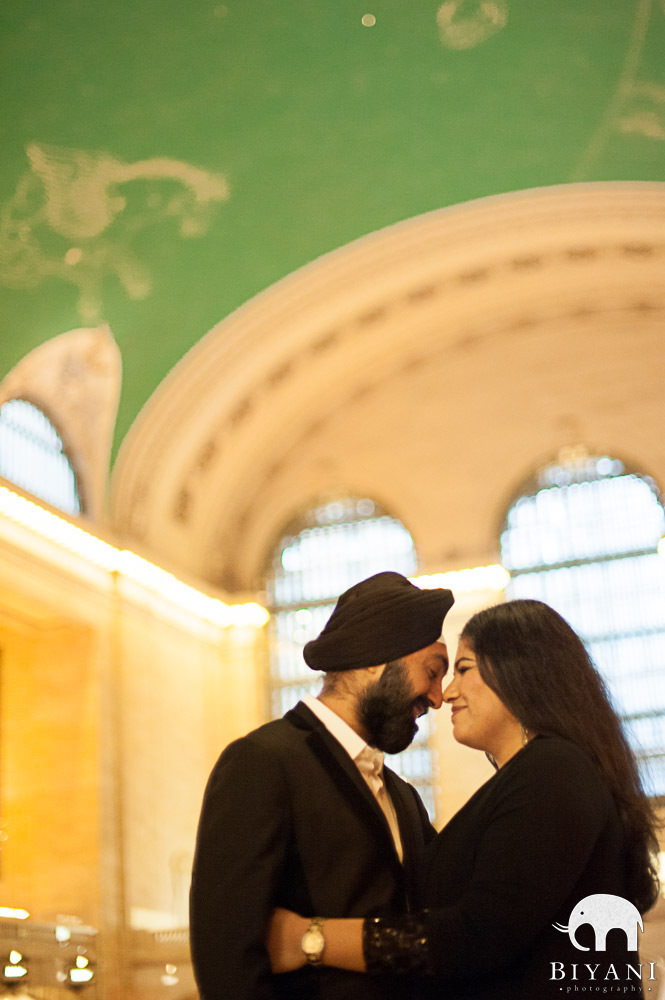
[
  {"x": 440, "y": 651},
  {"x": 436, "y": 654}
]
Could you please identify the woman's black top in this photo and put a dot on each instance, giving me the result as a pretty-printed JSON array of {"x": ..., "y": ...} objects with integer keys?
[{"x": 537, "y": 838}]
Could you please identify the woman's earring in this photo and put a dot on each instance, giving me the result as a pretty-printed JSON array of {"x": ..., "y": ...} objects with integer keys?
[{"x": 525, "y": 735}]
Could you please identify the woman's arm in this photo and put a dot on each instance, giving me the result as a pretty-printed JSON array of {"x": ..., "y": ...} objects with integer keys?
[
  {"x": 343, "y": 948},
  {"x": 373, "y": 944}
]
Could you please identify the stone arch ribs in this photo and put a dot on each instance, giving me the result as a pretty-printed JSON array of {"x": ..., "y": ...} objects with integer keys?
[{"x": 214, "y": 463}]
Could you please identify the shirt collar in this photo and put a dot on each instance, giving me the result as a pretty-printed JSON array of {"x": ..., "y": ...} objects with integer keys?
[{"x": 336, "y": 726}]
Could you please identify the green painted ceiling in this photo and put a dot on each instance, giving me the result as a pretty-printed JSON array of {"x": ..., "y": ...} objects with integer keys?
[{"x": 162, "y": 162}]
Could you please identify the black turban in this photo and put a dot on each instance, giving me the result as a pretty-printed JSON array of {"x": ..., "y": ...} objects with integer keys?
[{"x": 376, "y": 621}]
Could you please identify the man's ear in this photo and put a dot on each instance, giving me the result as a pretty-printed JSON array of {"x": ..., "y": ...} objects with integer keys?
[{"x": 361, "y": 678}]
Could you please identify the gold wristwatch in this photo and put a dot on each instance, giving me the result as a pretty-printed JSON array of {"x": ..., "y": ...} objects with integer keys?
[{"x": 313, "y": 941}]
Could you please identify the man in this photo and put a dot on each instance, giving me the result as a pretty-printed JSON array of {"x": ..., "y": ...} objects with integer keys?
[{"x": 297, "y": 814}]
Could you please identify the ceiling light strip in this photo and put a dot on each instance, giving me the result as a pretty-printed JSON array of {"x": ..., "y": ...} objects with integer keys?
[
  {"x": 127, "y": 564},
  {"x": 467, "y": 581}
]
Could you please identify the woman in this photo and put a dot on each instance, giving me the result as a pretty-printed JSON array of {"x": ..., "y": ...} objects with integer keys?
[{"x": 563, "y": 818}]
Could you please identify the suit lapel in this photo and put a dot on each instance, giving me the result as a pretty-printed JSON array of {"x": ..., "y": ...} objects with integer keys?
[
  {"x": 344, "y": 772},
  {"x": 410, "y": 828}
]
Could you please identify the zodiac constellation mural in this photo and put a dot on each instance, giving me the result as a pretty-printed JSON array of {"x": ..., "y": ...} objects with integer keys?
[
  {"x": 644, "y": 111},
  {"x": 635, "y": 107},
  {"x": 80, "y": 216},
  {"x": 75, "y": 215},
  {"x": 464, "y": 24}
]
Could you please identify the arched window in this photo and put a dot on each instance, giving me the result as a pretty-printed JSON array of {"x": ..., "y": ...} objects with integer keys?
[
  {"x": 32, "y": 456},
  {"x": 583, "y": 537},
  {"x": 333, "y": 545}
]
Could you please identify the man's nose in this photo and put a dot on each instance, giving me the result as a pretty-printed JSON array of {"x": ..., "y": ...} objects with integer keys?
[{"x": 435, "y": 694}]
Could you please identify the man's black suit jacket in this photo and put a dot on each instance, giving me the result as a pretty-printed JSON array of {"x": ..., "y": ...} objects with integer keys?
[{"x": 287, "y": 820}]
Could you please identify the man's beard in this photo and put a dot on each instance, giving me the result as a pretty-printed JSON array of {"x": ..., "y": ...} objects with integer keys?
[{"x": 386, "y": 709}]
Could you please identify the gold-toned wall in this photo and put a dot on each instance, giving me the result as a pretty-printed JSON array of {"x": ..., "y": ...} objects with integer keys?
[
  {"x": 114, "y": 704},
  {"x": 182, "y": 697},
  {"x": 50, "y": 767}
]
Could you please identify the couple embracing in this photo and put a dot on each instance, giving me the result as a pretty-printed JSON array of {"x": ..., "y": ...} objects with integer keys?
[{"x": 317, "y": 873}]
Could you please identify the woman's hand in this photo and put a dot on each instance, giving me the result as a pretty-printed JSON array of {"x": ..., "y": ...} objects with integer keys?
[{"x": 285, "y": 932}]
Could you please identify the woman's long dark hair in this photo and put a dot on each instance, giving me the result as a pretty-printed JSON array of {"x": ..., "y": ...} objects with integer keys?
[{"x": 540, "y": 669}]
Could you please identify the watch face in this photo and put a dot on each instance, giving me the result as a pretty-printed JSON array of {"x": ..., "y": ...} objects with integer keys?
[{"x": 312, "y": 943}]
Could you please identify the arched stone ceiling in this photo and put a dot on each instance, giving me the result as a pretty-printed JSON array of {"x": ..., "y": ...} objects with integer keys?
[{"x": 429, "y": 365}]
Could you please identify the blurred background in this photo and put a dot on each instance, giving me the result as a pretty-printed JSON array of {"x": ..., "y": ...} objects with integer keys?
[{"x": 293, "y": 293}]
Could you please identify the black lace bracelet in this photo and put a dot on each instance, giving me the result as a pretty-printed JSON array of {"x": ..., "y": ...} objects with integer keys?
[{"x": 396, "y": 944}]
